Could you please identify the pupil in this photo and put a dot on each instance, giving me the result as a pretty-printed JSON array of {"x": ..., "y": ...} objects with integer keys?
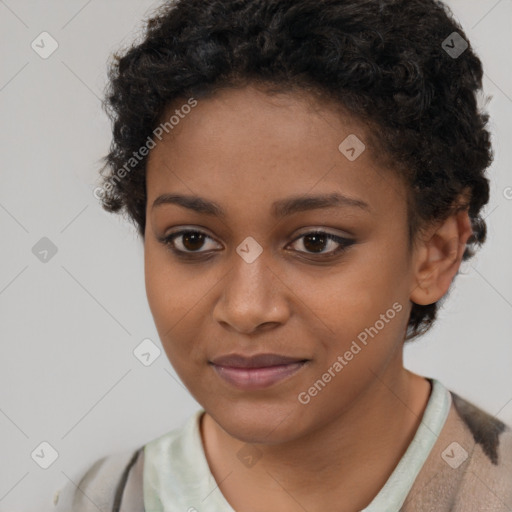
[
  {"x": 318, "y": 247},
  {"x": 193, "y": 238}
]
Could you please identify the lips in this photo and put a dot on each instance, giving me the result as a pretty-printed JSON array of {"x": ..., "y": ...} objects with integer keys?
[
  {"x": 255, "y": 361},
  {"x": 258, "y": 371}
]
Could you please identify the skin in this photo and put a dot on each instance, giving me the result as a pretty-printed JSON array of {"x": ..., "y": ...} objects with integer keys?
[{"x": 338, "y": 450}]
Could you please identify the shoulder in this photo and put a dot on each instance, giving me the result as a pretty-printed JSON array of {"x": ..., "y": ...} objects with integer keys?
[
  {"x": 469, "y": 467},
  {"x": 491, "y": 435},
  {"x": 104, "y": 485},
  {"x": 115, "y": 483},
  {"x": 477, "y": 456},
  {"x": 489, "y": 468}
]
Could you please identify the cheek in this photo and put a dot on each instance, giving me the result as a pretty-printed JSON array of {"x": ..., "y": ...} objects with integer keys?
[
  {"x": 358, "y": 292},
  {"x": 175, "y": 294},
  {"x": 164, "y": 290},
  {"x": 160, "y": 284},
  {"x": 364, "y": 302},
  {"x": 170, "y": 289}
]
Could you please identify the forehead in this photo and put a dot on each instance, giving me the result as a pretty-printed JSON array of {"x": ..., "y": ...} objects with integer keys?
[{"x": 244, "y": 145}]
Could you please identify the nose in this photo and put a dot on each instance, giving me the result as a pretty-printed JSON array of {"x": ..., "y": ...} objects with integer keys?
[{"x": 253, "y": 297}]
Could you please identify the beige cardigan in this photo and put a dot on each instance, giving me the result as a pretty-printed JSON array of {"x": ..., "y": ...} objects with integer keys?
[{"x": 468, "y": 470}]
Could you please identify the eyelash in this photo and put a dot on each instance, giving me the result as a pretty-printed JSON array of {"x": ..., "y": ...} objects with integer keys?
[{"x": 169, "y": 241}]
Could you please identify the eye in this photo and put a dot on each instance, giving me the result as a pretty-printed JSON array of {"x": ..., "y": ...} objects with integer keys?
[
  {"x": 316, "y": 241},
  {"x": 189, "y": 241}
]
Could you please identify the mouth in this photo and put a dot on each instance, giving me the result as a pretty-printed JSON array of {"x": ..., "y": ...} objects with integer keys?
[{"x": 256, "y": 372}]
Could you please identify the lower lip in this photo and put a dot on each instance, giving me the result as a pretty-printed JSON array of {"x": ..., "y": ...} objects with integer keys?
[{"x": 257, "y": 378}]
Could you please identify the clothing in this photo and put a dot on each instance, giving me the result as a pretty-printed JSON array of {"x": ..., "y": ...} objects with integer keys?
[{"x": 459, "y": 460}]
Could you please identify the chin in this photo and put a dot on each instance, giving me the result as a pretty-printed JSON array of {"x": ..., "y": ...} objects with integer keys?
[{"x": 263, "y": 424}]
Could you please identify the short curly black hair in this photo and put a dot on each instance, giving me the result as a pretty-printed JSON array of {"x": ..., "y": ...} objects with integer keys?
[{"x": 404, "y": 68}]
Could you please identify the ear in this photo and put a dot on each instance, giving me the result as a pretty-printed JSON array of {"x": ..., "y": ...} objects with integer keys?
[{"x": 437, "y": 258}]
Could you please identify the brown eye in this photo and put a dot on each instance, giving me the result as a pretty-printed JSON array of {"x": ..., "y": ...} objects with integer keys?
[
  {"x": 192, "y": 241},
  {"x": 186, "y": 241},
  {"x": 316, "y": 241}
]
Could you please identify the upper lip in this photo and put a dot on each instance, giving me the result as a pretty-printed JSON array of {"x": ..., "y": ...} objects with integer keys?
[{"x": 254, "y": 361}]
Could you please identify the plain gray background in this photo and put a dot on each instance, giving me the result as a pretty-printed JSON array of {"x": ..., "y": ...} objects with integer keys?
[{"x": 69, "y": 325}]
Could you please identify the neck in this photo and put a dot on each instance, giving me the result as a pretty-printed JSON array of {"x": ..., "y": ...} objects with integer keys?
[{"x": 346, "y": 461}]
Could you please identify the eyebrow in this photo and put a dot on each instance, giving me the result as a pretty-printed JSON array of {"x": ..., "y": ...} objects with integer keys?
[{"x": 280, "y": 208}]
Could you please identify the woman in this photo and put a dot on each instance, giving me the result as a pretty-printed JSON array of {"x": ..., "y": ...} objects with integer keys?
[{"x": 307, "y": 177}]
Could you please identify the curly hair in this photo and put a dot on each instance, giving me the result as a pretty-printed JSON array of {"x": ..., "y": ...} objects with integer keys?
[{"x": 385, "y": 62}]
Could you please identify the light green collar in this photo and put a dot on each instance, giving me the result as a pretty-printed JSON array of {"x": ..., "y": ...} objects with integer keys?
[{"x": 177, "y": 476}]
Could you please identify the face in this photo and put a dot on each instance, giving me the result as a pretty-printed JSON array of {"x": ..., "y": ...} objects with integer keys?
[{"x": 259, "y": 258}]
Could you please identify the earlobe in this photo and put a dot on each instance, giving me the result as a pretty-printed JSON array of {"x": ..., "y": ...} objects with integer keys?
[{"x": 438, "y": 258}]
